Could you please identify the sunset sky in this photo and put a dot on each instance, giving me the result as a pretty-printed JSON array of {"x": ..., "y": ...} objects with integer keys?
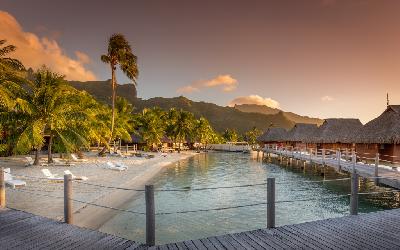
[{"x": 324, "y": 58}]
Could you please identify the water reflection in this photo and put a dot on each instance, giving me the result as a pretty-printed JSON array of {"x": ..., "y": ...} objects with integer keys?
[{"x": 227, "y": 169}]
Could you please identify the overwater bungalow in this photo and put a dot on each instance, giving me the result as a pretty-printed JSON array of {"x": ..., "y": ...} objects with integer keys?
[
  {"x": 273, "y": 137},
  {"x": 381, "y": 135},
  {"x": 298, "y": 136},
  {"x": 336, "y": 133}
]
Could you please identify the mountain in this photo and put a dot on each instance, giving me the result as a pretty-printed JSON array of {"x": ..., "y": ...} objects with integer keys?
[
  {"x": 262, "y": 109},
  {"x": 101, "y": 90},
  {"x": 241, "y": 117},
  {"x": 220, "y": 118}
]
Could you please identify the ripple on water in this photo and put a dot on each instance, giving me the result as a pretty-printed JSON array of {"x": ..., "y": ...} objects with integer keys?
[{"x": 227, "y": 169}]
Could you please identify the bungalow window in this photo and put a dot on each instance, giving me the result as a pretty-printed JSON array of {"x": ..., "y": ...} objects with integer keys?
[{"x": 382, "y": 146}]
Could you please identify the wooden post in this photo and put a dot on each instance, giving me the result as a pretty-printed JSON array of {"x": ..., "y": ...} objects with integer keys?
[
  {"x": 258, "y": 152},
  {"x": 68, "y": 199},
  {"x": 270, "y": 202},
  {"x": 339, "y": 156},
  {"x": 127, "y": 148},
  {"x": 354, "y": 161},
  {"x": 150, "y": 216},
  {"x": 376, "y": 174},
  {"x": 347, "y": 154},
  {"x": 354, "y": 194},
  {"x": 323, "y": 156},
  {"x": 2, "y": 189}
]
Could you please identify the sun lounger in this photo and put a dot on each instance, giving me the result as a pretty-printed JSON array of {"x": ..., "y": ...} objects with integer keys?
[
  {"x": 75, "y": 158},
  {"x": 9, "y": 179},
  {"x": 51, "y": 176},
  {"x": 83, "y": 178},
  {"x": 30, "y": 162},
  {"x": 58, "y": 162},
  {"x": 112, "y": 166},
  {"x": 121, "y": 165}
]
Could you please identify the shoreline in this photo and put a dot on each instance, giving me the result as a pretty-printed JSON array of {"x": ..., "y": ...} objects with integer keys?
[
  {"x": 45, "y": 197},
  {"x": 93, "y": 217}
]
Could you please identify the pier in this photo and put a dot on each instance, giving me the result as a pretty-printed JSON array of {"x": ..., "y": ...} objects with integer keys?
[
  {"x": 339, "y": 161},
  {"x": 378, "y": 230}
]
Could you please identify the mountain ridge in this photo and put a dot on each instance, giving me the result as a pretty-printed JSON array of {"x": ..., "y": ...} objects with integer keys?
[{"x": 241, "y": 118}]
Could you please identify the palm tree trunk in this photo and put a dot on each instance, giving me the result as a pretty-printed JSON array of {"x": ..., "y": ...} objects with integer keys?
[
  {"x": 49, "y": 153},
  {"x": 36, "y": 162},
  {"x": 113, "y": 101},
  {"x": 113, "y": 95}
]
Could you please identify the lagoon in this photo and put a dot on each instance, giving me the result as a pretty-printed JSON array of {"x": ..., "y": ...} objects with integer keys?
[{"x": 319, "y": 200}]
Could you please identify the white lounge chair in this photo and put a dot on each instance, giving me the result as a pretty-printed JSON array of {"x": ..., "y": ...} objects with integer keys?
[
  {"x": 75, "y": 158},
  {"x": 112, "y": 166},
  {"x": 83, "y": 178},
  {"x": 50, "y": 176},
  {"x": 121, "y": 165},
  {"x": 119, "y": 153},
  {"x": 9, "y": 179},
  {"x": 30, "y": 162},
  {"x": 58, "y": 162}
]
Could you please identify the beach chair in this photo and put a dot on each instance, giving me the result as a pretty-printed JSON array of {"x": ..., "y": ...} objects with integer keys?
[
  {"x": 119, "y": 153},
  {"x": 50, "y": 176},
  {"x": 121, "y": 165},
  {"x": 75, "y": 158},
  {"x": 58, "y": 162},
  {"x": 30, "y": 162},
  {"x": 9, "y": 179},
  {"x": 83, "y": 178},
  {"x": 112, "y": 166}
]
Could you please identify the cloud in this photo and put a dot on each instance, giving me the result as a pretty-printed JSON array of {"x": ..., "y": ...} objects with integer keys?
[
  {"x": 254, "y": 99},
  {"x": 227, "y": 82},
  {"x": 34, "y": 51},
  {"x": 327, "y": 98}
]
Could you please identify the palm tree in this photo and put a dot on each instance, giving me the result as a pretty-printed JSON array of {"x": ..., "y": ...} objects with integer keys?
[
  {"x": 119, "y": 52},
  {"x": 203, "y": 131},
  {"x": 151, "y": 125},
  {"x": 12, "y": 73},
  {"x": 49, "y": 106},
  {"x": 251, "y": 135},
  {"x": 183, "y": 127}
]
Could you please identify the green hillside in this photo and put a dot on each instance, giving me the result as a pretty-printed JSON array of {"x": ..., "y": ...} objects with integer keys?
[
  {"x": 241, "y": 118},
  {"x": 102, "y": 90},
  {"x": 262, "y": 109},
  {"x": 220, "y": 118}
]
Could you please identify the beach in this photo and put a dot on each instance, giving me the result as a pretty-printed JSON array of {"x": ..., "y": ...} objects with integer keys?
[{"x": 45, "y": 197}]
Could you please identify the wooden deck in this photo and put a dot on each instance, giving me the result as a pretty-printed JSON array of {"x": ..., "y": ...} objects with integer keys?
[
  {"x": 386, "y": 176},
  {"x": 21, "y": 230},
  {"x": 379, "y": 230}
]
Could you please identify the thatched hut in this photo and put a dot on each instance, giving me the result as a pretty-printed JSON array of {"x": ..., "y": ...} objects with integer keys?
[
  {"x": 298, "y": 136},
  {"x": 381, "y": 135},
  {"x": 336, "y": 133},
  {"x": 273, "y": 136}
]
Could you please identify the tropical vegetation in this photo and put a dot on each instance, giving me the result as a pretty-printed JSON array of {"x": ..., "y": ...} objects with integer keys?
[{"x": 40, "y": 110}]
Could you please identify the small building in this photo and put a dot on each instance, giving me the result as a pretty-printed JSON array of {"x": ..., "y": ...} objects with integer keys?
[
  {"x": 336, "y": 133},
  {"x": 299, "y": 135},
  {"x": 273, "y": 137},
  {"x": 381, "y": 135}
]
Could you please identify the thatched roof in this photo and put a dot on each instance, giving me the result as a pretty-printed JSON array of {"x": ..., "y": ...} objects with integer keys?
[
  {"x": 302, "y": 131},
  {"x": 337, "y": 130},
  {"x": 274, "y": 135},
  {"x": 136, "y": 138},
  {"x": 383, "y": 129}
]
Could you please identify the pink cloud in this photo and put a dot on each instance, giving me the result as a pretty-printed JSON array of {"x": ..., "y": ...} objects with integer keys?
[
  {"x": 227, "y": 82},
  {"x": 254, "y": 99},
  {"x": 34, "y": 51}
]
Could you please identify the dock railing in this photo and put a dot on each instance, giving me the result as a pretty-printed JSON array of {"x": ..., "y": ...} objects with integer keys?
[{"x": 150, "y": 209}]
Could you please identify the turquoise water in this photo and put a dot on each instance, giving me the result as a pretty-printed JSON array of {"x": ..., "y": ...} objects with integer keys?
[{"x": 227, "y": 169}]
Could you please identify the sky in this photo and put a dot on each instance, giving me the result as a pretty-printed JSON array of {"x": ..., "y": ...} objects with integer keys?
[{"x": 321, "y": 58}]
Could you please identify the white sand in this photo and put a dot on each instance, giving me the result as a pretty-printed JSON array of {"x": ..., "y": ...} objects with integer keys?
[{"x": 139, "y": 173}]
